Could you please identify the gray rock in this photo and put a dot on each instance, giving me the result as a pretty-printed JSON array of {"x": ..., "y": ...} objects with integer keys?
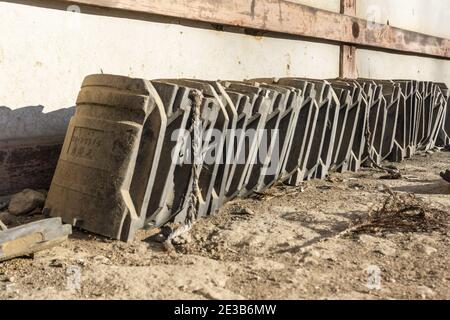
[
  {"x": 102, "y": 260},
  {"x": 25, "y": 202},
  {"x": 310, "y": 261},
  {"x": 183, "y": 239},
  {"x": 426, "y": 249},
  {"x": 159, "y": 238},
  {"x": 7, "y": 218},
  {"x": 56, "y": 263},
  {"x": 385, "y": 250},
  {"x": 81, "y": 262},
  {"x": 425, "y": 292}
]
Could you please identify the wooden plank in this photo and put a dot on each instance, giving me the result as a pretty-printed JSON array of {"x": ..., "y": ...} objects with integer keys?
[
  {"x": 347, "y": 62},
  {"x": 348, "y": 7},
  {"x": 32, "y": 237},
  {"x": 288, "y": 18},
  {"x": 347, "y": 59}
]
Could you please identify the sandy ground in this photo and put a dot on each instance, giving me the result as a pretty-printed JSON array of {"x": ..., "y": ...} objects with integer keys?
[{"x": 291, "y": 243}]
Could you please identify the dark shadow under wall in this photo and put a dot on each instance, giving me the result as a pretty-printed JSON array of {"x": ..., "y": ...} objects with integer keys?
[{"x": 30, "y": 144}]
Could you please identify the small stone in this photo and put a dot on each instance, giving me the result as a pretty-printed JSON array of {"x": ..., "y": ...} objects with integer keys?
[
  {"x": 3, "y": 205},
  {"x": 183, "y": 239},
  {"x": 330, "y": 258},
  {"x": 10, "y": 279},
  {"x": 25, "y": 202},
  {"x": 159, "y": 238},
  {"x": 425, "y": 292},
  {"x": 248, "y": 211},
  {"x": 335, "y": 289},
  {"x": 324, "y": 187},
  {"x": 366, "y": 239},
  {"x": 9, "y": 287},
  {"x": 102, "y": 260},
  {"x": 314, "y": 253},
  {"x": 426, "y": 249},
  {"x": 7, "y": 218},
  {"x": 242, "y": 211},
  {"x": 310, "y": 261},
  {"x": 56, "y": 263},
  {"x": 81, "y": 262},
  {"x": 178, "y": 241},
  {"x": 385, "y": 250},
  {"x": 356, "y": 186}
]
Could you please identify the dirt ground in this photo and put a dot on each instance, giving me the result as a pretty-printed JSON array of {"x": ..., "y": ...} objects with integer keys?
[{"x": 290, "y": 243}]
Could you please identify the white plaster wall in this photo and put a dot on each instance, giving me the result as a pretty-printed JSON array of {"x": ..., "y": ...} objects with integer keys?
[
  {"x": 46, "y": 53},
  {"x": 425, "y": 16},
  {"x": 381, "y": 65}
]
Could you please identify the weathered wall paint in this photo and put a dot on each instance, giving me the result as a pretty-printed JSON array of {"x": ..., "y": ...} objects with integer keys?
[
  {"x": 48, "y": 52},
  {"x": 430, "y": 17},
  {"x": 381, "y": 65},
  {"x": 425, "y": 16}
]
